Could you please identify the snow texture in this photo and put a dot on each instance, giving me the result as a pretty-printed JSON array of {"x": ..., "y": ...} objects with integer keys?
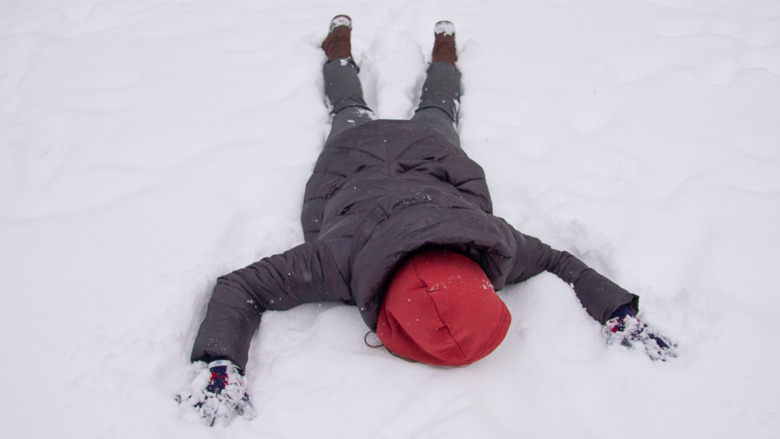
[
  {"x": 444, "y": 27},
  {"x": 340, "y": 20},
  {"x": 216, "y": 395},
  {"x": 147, "y": 147}
]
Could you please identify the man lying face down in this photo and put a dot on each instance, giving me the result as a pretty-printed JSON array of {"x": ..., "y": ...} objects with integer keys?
[{"x": 399, "y": 222}]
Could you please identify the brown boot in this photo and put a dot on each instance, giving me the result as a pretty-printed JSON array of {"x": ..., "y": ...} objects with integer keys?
[
  {"x": 444, "y": 43},
  {"x": 337, "y": 44}
]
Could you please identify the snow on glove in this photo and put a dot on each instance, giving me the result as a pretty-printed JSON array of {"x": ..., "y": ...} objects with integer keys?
[
  {"x": 218, "y": 393},
  {"x": 628, "y": 331}
]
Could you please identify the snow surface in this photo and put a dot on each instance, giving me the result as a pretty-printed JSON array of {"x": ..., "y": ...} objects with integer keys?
[
  {"x": 444, "y": 27},
  {"x": 149, "y": 146}
]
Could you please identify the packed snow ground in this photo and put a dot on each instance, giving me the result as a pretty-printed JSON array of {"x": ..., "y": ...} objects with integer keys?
[{"x": 149, "y": 146}]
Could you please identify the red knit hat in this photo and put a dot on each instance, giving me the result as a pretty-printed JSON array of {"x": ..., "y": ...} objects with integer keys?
[{"x": 441, "y": 309}]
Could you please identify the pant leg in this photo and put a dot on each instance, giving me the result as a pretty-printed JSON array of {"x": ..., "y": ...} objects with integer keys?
[
  {"x": 342, "y": 87},
  {"x": 440, "y": 101}
]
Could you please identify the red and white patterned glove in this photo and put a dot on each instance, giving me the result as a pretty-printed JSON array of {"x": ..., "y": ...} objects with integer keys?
[
  {"x": 218, "y": 393},
  {"x": 630, "y": 332}
]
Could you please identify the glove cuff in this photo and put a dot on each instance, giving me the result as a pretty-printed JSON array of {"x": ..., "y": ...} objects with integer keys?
[
  {"x": 622, "y": 312},
  {"x": 217, "y": 363}
]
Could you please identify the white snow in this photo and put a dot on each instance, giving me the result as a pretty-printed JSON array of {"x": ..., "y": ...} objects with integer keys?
[
  {"x": 340, "y": 20},
  {"x": 444, "y": 27},
  {"x": 147, "y": 147}
]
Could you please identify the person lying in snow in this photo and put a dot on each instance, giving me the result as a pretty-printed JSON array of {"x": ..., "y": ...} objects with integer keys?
[{"x": 397, "y": 221}]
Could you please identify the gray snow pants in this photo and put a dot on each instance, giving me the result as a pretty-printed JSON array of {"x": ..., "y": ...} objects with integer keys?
[{"x": 438, "y": 108}]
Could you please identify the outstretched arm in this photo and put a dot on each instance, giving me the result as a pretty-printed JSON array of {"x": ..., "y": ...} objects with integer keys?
[
  {"x": 304, "y": 274},
  {"x": 600, "y": 296},
  {"x": 604, "y": 300}
]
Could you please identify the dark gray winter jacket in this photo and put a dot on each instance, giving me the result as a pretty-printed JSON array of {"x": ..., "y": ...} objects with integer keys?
[{"x": 378, "y": 193}]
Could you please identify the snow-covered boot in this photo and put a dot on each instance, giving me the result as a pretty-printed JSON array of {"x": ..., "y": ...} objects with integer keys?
[
  {"x": 337, "y": 44},
  {"x": 444, "y": 43}
]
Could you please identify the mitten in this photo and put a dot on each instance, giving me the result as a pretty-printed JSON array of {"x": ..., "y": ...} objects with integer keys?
[
  {"x": 218, "y": 393},
  {"x": 630, "y": 332}
]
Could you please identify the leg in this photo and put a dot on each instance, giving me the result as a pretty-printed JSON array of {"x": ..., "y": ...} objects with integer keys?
[
  {"x": 342, "y": 86},
  {"x": 440, "y": 98}
]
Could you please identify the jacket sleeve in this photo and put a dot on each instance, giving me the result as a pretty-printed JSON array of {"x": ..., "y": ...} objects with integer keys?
[
  {"x": 600, "y": 296},
  {"x": 304, "y": 274}
]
